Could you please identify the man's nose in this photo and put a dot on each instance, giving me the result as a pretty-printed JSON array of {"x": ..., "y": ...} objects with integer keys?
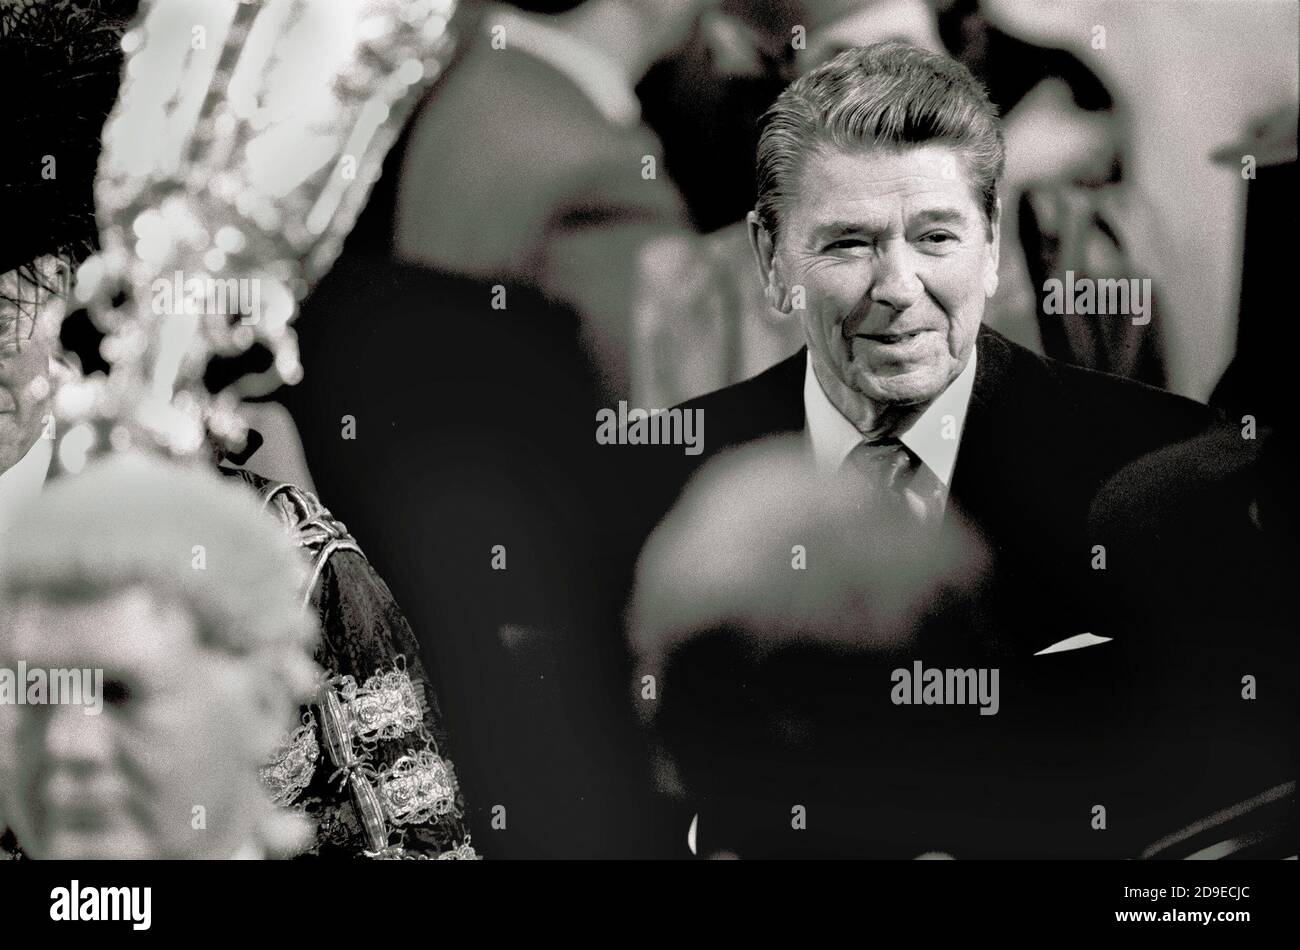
[
  {"x": 74, "y": 739},
  {"x": 894, "y": 281}
]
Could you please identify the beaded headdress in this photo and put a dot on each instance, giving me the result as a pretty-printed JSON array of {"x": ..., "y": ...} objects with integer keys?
[{"x": 245, "y": 140}]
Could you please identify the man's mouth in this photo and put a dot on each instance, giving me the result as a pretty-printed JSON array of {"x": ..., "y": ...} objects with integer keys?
[
  {"x": 84, "y": 809},
  {"x": 891, "y": 338}
]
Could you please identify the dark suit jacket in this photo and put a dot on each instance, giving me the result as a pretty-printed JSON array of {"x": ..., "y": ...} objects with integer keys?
[
  {"x": 1040, "y": 439},
  {"x": 1202, "y": 589}
]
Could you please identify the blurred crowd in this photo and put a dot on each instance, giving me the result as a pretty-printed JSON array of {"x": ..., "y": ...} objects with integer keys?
[{"x": 614, "y": 171}]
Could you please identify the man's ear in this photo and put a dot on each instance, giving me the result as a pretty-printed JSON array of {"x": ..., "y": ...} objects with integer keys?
[
  {"x": 995, "y": 250},
  {"x": 764, "y": 248}
]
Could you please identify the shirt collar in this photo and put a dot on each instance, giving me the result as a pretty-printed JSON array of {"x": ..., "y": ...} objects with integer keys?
[
  {"x": 22, "y": 483},
  {"x": 931, "y": 435},
  {"x": 601, "y": 78}
]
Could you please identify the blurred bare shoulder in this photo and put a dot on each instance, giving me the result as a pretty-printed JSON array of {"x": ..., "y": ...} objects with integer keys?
[{"x": 507, "y": 151}]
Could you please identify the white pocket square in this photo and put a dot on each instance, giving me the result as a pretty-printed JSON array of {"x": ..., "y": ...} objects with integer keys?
[{"x": 1076, "y": 642}]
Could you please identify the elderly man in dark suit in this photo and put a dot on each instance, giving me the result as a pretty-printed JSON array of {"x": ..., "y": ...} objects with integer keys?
[{"x": 876, "y": 228}]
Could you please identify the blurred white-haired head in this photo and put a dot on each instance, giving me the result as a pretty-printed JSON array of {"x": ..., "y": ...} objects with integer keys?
[
  {"x": 179, "y": 603},
  {"x": 762, "y": 544}
]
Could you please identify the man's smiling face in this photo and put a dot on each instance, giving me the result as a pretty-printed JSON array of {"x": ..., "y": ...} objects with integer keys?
[{"x": 895, "y": 259}]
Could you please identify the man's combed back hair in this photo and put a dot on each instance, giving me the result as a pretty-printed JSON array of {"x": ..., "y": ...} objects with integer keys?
[{"x": 887, "y": 94}]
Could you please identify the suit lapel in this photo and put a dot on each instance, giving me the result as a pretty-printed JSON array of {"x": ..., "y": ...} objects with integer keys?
[
  {"x": 998, "y": 429},
  {"x": 995, "y": 474},
  {"x": 999, "y": 439},
  {"x": 783, "y": 392},
  {"x": 769, "y": 404}
]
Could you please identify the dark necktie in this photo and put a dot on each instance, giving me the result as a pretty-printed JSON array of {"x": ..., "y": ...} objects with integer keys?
[{"x": 897, "y": 484}]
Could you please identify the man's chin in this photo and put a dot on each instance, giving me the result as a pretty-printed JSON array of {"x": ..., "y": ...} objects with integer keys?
[{"x": 903, "y": 389}]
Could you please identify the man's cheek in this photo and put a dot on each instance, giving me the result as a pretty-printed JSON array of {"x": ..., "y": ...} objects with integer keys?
[
  {"x": 958, "y": 278},
  {"x": 844, "y": 283},
  {"x": 960, "y": 300},
  {"x": 817, "y": 313},
  {"x": 830, "y": 306},
  {"x": 149, "y": 742}
]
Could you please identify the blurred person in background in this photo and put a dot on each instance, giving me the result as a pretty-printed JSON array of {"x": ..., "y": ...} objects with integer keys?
[
  {"x": 1204, "y": 542},
  {"x": 701, "y": 322},
  {"x": 364, "y": 634},
  {"x": 1256, "y": 382},
  {"x": 200, "y": 673},
  {"x": 466, "y": 360},
  {"x": 531, "y": 166},
  {"x": 1069, "y": 206},
  {"x": 493, "y": 513},
  {"x": 46, "y": 186},
  {"x": 704, "y": 101},
  {"x": 1205, "y": 559},
  {"x": 27, "y": 368},
  {"x": 46, "y": 175},
  {"x": 710, "y": 325},
  {"x": 770, "y": 606},
  {"x": 775, "y": 608}
]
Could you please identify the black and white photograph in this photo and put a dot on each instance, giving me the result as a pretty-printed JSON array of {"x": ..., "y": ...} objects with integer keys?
[{"x": 567, "y": 433}]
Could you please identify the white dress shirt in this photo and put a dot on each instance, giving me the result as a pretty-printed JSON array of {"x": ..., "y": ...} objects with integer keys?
[{"x": 832, "y": 436}]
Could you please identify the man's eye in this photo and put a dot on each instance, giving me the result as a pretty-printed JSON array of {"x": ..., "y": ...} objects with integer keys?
[
  {"x": 938, "y": 238},
  {"x": 116, "y": 693},
  {"x": 843, "y": 243}
]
